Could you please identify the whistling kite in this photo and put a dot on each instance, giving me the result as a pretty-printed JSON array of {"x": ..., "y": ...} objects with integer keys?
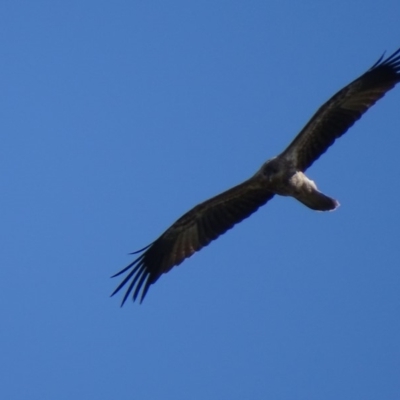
[{"x": 282, "y": 175}]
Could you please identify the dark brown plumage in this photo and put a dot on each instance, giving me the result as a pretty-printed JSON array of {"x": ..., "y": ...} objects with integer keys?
[
  {"x": 282, "y": 175},
  {"x": 341, "y": 111}
]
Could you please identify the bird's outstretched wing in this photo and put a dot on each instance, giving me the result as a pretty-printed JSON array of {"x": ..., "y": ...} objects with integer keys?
[
  {"x": 340, "y": 112},
  {"x": 194, "y": 230}
]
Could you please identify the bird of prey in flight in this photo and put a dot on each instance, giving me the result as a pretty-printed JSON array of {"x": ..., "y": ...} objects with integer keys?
[{"x": 282, "y": 175}]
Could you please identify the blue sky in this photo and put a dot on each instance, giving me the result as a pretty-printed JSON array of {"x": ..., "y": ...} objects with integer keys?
[{"x": 117, "y": 117}]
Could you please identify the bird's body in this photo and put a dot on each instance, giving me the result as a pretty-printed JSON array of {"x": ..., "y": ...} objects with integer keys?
[
  {"x": 283, "y": 178},
  {"x": 282, "y": 175}
]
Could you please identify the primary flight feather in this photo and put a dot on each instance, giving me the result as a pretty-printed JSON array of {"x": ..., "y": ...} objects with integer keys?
[{"x": 282, "y": 175}]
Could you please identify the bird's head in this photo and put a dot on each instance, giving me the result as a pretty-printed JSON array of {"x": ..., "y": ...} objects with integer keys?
[
  {"x": 277, "y": 172},
  {"x": 273, "y": 169}
]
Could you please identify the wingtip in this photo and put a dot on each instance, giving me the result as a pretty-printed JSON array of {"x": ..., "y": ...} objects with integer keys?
[
  {"x": 139, "y": 251},
  {"x": 393, "y": 58},
  {"x": 378, "y": 61}
]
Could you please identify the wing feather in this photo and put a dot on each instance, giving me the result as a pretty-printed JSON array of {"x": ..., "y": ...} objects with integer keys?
[
  {"x": 190, "y": 233},
  {"x": 340, "y": 112}
]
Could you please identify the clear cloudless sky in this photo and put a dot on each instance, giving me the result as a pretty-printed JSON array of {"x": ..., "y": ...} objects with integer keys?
[{"x": 116, "y": 118}]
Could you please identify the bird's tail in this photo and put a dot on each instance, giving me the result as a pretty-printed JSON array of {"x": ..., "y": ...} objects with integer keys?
[{"x": 318, "y": 201}]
